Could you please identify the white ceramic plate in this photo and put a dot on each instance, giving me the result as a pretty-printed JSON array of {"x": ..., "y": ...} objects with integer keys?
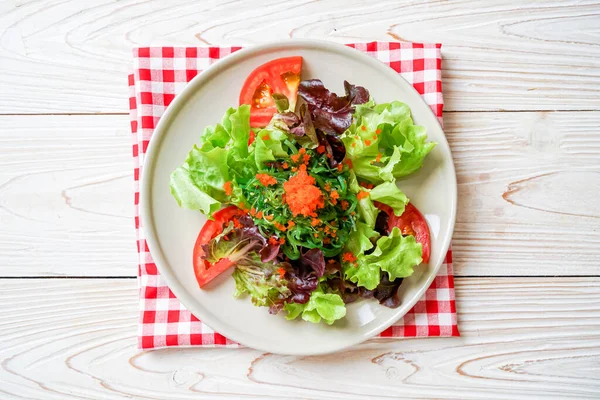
[{"x": 171, "y": 231}]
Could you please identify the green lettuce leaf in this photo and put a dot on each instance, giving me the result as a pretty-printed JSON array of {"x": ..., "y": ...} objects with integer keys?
[
  {"x": 359, "y": 240},
  {"x": 240, "y": 130},
  {"x": 410, "y": 139},
  {"x": 262, "y": 153},
  {"x": 214, "y": 136},
  {"x": 268, "y": 145},
  {"x": 395, "y": 254},
  {"x": 222, "y": 156},
  {"x": 362, "y": 273},
  {"x": 260, "y": 281},
  {"x": 388, "y": 193},
  {"x": 367, "y": 212},
  {"x": 328, "y": 307},
  {"x": 373, "y": 115},
  {"x": 384, "y": 144},
  {"x": 189, "y": 195}
]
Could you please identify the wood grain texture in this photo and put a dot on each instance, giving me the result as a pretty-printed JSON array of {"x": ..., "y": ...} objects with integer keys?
[
  {"x": 533, "y": 339},
  {"x": 526, "y": 187},
  {"x": 66, "y": 194},
  {"x": 67, "y": 56}
]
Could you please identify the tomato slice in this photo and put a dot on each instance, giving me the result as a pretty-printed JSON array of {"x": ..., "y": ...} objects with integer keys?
[
  {"x": 411, "y": 222},
  {"x": 204, "y": 270},
  {"x": 277, "y": 76}
]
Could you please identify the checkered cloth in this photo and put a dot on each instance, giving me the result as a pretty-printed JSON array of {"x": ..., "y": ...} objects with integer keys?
[{"x": 162, "y": 72}]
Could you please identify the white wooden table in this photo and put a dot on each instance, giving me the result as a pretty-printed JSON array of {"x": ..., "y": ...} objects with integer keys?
[{"x": 522, "y": 91}]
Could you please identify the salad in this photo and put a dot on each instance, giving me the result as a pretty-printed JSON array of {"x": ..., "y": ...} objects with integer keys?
[{"x": 299, "y": 187}]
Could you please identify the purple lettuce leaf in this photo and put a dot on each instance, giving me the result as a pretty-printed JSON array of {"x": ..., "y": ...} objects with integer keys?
[
  {"x": 381, "y": 224},
  {"x": 331, "y": 113},
  {"x": 239, "y": 243},
  {"x": 356, "y": 94},
  {"x": 303, "y": 275},
  {"x": 333, "y": 146},
  {"x": 387, "y": 291}
]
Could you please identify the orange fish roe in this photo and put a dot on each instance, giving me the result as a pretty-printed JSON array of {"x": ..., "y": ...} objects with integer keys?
[
  {"x": 259, "y": 214},
  {"x": 273, "y": 240},
  {"x": 295, "y": 157},
  {"x": 345, "y": 205},
  {"x": 327, "y": 187},
  {"x": 375, "y": 137},
  {"x": 228, "y": 188},
  {"x": 306, "y": 158},
  {"x": 378, "y": 157},
  {"x": 266, "y": 136},
  {"x": 281, "y": 241},
  {"x": 340, "y": 167},
  {"x": 378, "y": 131},
  {"x": 326, "y": 241},
  {"x": 364, "y": 128},
  {"x": 279, "y": 226},
  {"x": 266, "y": 179},
  {"x": 302, "y": 196},
  {"x": 362, "y": 194},
  {"x": 367, "y": 142},
  {"x": 316, "y": 235},
  {"x": 291, "y": 224},
  {"x": 252, "y": 137},
  {"x": 294, "y": 169},
  {"x": 334, "y": 196},
  {"x": 315, "y": 222},
  {"x": 321, "y": 149},
  {"x": 286, "y": 165},
  {"x": 348, "y": 257},
  {"x": 366, "y": 185},
  {"x": 329, "y": 155},
  {"x": 331, "y": 261},
  {"x": 348, "y": 162},
  {"x": 353, "y": 144},
  {"x": 281, "y": 272},
  {"x": 253, "y": 211},
  {"x": 269, "y": 217}
]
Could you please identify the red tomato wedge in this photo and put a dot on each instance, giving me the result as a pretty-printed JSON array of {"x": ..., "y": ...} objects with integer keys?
[
  {"x": 277, "y": 76},
  {"x": 204, "y": 270},
  {"x": 411, "y": 222}
]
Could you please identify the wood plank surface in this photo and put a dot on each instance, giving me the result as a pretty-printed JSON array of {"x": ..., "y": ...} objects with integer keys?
[
  {"x": 521, "y": 339},
  {"x": 66, "y": 194},
  {"x": 66, "y": 56},
  {"x": 522, "y": 91}
]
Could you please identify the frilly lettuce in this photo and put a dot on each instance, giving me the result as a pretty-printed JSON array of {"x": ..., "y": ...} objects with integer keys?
[
  {"x": 326, "y": 306},
  {"x": 395, "y": 254},
  {"x": 224, "y": 156},
  {"x": 384, "y": 144},
  {"x": 389, "y": 194},
  {"x": 260, "y": 281}
]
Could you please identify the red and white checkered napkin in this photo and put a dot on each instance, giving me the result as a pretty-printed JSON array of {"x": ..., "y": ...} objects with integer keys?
[{"x": 162, "y": 72}]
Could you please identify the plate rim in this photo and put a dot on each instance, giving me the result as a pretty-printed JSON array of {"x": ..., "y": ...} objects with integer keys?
[{"x": 161, "y": 130}]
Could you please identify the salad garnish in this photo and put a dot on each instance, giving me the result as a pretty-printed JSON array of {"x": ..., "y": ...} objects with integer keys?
[{"x": 302, "y": 199}]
